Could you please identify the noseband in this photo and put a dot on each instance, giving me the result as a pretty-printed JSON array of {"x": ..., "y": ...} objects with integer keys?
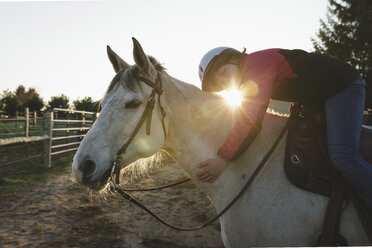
[{"x": 146, "y": 115}]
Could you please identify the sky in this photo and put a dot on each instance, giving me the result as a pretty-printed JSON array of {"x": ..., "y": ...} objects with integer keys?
[{"x": 59, "y": 47}]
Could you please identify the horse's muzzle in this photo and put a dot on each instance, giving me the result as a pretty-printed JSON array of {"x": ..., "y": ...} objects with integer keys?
[
  {"x": 87, "y": 167},
  {"x": 85, "y": 174}
]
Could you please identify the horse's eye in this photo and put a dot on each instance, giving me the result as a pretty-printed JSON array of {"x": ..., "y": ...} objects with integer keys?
[{"x": 133, "y": 104}]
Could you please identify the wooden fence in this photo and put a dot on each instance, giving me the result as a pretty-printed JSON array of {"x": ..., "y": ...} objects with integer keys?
[
  {"x": 63, "y": 131},
  {"x": 21, "y": 125}
]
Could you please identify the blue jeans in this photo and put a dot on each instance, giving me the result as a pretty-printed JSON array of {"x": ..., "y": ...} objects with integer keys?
[{"x": 344, "y": 115}]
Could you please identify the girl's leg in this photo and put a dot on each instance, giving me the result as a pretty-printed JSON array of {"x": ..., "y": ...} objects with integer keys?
[{"x": 344, "y": 115}]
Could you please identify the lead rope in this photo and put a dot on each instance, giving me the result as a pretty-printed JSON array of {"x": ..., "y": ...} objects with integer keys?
[{"x": 128, "y": 197}]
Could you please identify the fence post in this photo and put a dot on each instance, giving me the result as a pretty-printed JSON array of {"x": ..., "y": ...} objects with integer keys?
[
  {"x": 95, "y": 116},
  {"x": 17, "y": 119},
  {"x": 83, "y": 122},
  {"x": 35, "y": 119},
  {"x": 48, "y": 141},
  {"x": 27, "y": 121},
  {"x": 68, "y": 125}
]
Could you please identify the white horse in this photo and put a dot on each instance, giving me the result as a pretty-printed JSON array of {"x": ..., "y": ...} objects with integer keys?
[{"x": 272, "y": 212}]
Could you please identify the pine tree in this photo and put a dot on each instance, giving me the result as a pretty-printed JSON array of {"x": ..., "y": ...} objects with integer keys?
[{"x": 347, "y": 35}]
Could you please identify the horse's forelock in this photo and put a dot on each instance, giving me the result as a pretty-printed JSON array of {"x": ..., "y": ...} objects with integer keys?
[
  {"x": 129, "y": 81},
  {"x": 130, "y": 76}
]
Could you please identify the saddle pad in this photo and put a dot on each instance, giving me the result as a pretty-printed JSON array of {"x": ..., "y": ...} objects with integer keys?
[{"x": 305, "y": 165}]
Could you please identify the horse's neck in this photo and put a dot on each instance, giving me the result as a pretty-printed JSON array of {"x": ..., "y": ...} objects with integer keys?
[{"x": 199, "y": 123}]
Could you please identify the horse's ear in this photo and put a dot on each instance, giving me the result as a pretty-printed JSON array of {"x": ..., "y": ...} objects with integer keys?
[
  {"x": 117, "y": 62},
  {"x": 142, "y": 61}
]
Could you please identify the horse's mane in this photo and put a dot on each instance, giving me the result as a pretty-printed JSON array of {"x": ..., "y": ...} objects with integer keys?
[
  {"x": 158, "y": 66},
  {"x": 145, "y": 167},
  {"x": 273, "y": 112}
]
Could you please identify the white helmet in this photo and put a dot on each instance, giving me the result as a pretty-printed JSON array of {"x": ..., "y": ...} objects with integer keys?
[{"x": 206, "y": 60}]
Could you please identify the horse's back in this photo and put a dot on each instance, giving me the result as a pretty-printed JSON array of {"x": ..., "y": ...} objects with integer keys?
[{"x": 273, "y": 212}]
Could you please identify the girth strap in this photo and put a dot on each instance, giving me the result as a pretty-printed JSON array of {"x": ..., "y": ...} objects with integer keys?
[{"x": 330, "y": 234}]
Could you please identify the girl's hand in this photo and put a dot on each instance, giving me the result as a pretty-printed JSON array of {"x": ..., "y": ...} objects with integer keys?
[{"x": 211, "y": 169}]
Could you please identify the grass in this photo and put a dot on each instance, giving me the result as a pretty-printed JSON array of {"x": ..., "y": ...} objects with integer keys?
[
  {"x": 18, "y": 180},
  {"x": 9, "y": 129}
]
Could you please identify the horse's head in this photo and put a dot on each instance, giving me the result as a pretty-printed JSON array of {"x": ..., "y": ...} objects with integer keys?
[{"x": 121, "y": 110}]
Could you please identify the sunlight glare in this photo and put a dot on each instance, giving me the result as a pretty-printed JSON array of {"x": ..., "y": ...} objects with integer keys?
[{"x": 233, "y": 97}]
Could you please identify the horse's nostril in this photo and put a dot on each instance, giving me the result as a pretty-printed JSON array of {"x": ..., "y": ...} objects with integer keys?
[{"x": 87, "y": 167}]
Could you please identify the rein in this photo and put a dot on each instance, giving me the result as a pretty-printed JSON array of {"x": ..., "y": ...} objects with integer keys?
[
  {"x": 183, "y": 180},
  {"x": 117, "y": 188}
]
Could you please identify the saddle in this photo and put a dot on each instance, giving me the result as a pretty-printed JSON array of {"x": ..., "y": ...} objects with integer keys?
[{"x": 308, "y": 166}]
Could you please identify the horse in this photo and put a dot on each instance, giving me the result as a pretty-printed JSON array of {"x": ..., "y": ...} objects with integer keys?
[{"x": 271, "y": 212}]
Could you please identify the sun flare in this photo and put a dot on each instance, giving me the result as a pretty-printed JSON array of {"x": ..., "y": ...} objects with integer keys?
[{"x": 233, "y": 97}]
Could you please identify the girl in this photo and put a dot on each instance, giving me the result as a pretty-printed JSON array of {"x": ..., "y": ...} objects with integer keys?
[{"x": 311, "y": 79}]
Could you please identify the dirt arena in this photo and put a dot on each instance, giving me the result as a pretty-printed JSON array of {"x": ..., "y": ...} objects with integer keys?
[{"x": 61, "y": 213}]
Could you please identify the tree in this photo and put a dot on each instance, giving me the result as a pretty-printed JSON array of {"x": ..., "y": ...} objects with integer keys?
[
  {"x": 347, "y": 35},
  {"x": 34, "y": 102},
  {"x": 20, "y": 94},
  {"x": 8, "y": 102},
  {"x": 20, "y": 99},
  {"x": 85, "y": 104},
  {"x": 60, "y": 101}
]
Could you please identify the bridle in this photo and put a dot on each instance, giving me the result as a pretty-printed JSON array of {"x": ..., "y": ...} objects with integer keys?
[{"x": 146, "y": 115}]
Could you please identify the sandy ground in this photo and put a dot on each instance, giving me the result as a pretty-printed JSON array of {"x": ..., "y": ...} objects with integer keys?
[{"x": 61, "y": 213}]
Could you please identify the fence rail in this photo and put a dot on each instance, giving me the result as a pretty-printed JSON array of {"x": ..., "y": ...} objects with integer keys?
[
  {"x": 68, "y": 137},
  {"x": 73, "y": 121}
]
